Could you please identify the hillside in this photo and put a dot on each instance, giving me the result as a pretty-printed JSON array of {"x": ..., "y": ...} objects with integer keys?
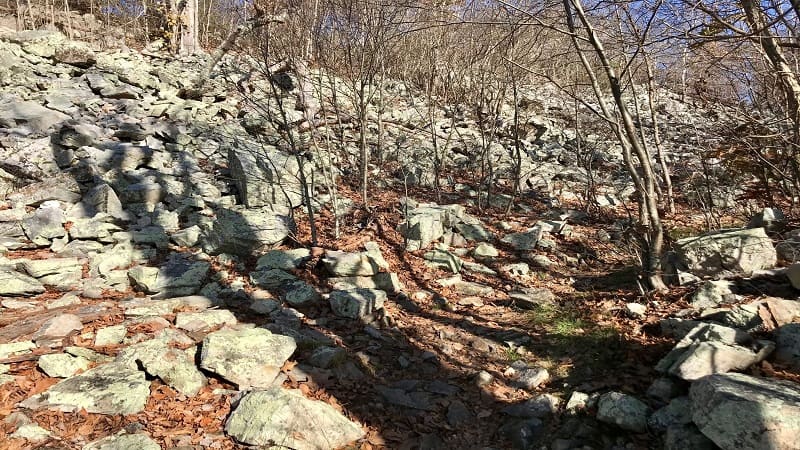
[{"x": 187, "y": 266}]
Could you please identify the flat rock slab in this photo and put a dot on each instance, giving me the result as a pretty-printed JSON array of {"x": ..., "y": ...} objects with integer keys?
[
  {"x": 249, "y": 358},
  {"x": 740, "y": 412},
  {"x": 61, "y": 365},
  {"x": 112, "y": 388},
  {"x": 136, "y": 441},
  {"x": 197, "y": 321},
  {"x": 285, "y": 417},
  {"x": 15, "y": 283}
]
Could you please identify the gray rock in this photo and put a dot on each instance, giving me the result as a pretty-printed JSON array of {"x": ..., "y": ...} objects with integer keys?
[
  {"x": 714, "y": 293},
  {"x": 61, "y": 365},
  {"x": 740, "y": 412},
  {"x": 161, "y": 358},
  {"x": 248, "y": 357},
  {"x": 62, "y": 187},
  {"x": 58, "y": 327},
  {"x": 540, "y": 407},
  {"x": 523, "y": 433},
  {"x": 272, "y": 278},
  {"x": 483, "y": 378},
  {"x": 31, "y": 432},
  {"x": 529, "y": 377},
  {"x": 771, "y": 219},
  {"x": 110, "y": 389},
  {"x": 682, "y": 437},
  {"x": 458, "y": 415},
  {"x": 709, "y": 349},
  {"x": 283, "y": 259},
  {"x": 16, "y": 348},
  {"x": 137, "y": 441},
  {"x": 32, "y": 115},
  {"x": 526, "y": 240},
  {"x": 63, "y": 273},
  {"x": 407, "y": 398},
  {"x": 787, "y": 345},
  {"x": 793, "y": 273},
  {"x": 301, "y": 293},
  {"x": 187, "y": 237},
  {"x": 743, "y": 317},
  {"x": 345, "y": 264},
  {"x": 76, "y": 54},
  {"x": 484, "y": 250},
  {"x": 46, "y": 223},
  {"x": 624, "y": 411},
  {"x": 384, "y": 281},
  {"x": 112, "y": 335},
  {"x": 426, "y": 224},
  {"x": 286, "y": 417},
  {"x": 444, "y": 260},
  {"x": 266, "y": 177},
  {"x": 179, "y": 275},
  {"x": 635, "y": 310},
  {"x": 474, "y": 232},
  {"x": 240, "y": 231},
  {"x": 731, "y": 252},
  {"x": 677, "y": 412},
  {"x": 532, "y": 298},
  {"x": 468, "y": 288},
  {"x": 327, "y": 357},
  {"x": 357, "y": 303},
  {"x": 664, "y": 389},
  {"x": 203, "y": 320},
  {"x": 15, "y": 283}
]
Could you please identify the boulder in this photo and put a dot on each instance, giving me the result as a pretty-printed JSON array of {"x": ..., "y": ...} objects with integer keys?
[
  {"x": 248, "y": 358},
  {"x": 112, "y": 388},
  {"x": 286, "y": 417},
  {"x": 443, "y": 259},
  {"x": 741, "y": 412},
  {"x": 737, "y": 252},
  {"x": 709, "y": 349},
  {"x": 246, "y": 232}
]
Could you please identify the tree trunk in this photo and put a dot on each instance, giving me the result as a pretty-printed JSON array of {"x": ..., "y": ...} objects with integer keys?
[{"x": 189, "y": 44}]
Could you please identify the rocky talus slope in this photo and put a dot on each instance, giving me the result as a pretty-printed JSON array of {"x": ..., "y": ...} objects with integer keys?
[{"x": 154, "y": 292}]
